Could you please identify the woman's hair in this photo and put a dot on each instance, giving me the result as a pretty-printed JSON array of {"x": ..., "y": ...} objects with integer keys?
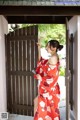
[{"x": 55, "y": 43}]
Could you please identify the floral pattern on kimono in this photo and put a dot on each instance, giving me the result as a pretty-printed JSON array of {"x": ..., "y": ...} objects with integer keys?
[{"x": 48, "y": 91}]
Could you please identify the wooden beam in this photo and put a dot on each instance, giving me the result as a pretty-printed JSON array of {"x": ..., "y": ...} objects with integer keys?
[
  {"x": 20, "y": 38},
  {"x": 37, "y": 19},
  {"x": 39, "y": 10}
]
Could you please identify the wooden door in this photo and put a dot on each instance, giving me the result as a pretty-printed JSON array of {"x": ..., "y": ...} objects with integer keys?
[{"x": 21, "y": 59}]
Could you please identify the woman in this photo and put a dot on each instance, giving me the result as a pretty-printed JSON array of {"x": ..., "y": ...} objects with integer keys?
[{"x": 47, "y": 73}]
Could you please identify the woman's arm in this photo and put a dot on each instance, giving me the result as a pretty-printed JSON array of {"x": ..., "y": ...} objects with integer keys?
[
  {"x": 39, "y": 48},
  {"x": 37, "y": 76}
]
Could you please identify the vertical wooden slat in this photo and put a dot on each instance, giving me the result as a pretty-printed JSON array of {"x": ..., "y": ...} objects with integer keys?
[
  {"x": 20, "y": 68},
  {"x": 11, "y": 85},
  {"x": 17, "y": 85},
  {"x": 27, "y": 76},
  {"x": 24, "y": 68},
  {"x": 13, "y": 77},
  {"x": 30, "y": 76},
  {"x": 35, "y": 58},
  {"x": 28, "y": 66},
  {"x": 17, "y": 68},
  {"x": 32, "y": 62},
  {"x": 11, "y": 67},
  {"x": 32, "y": 67}
]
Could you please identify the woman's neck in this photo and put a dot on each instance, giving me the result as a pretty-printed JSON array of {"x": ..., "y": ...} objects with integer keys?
[{"x": 53, "y": 54}]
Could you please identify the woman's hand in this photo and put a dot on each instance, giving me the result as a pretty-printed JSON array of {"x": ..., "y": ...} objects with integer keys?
[
  {"x": 38, "y": 44},
  {"x": 39, "y": 77}
]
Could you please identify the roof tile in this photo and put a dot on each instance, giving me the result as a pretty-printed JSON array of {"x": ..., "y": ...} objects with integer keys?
[{"x": 41, "y": 2}]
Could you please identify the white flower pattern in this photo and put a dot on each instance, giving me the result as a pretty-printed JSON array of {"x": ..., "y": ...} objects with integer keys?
[
  {"x": 40, "y": 118},
  {"x": 56, "y": 118},
  {"x": 50, "y": 97},
  {"x": 46, "y": 95},
  {"x": 48, "y": 117},
  {"x": 49, "y": 81},
  {"x": 42, "y": 104}
]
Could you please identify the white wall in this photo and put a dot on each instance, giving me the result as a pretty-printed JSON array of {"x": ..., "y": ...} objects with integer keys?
[
  {"x": 3, "y": 30},
  {"x": 74, "y": 27}
]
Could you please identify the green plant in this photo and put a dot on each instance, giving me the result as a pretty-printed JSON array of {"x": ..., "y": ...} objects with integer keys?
[
  {"x": 50, "y": 31},
  {"x": 62, "y": 71}
]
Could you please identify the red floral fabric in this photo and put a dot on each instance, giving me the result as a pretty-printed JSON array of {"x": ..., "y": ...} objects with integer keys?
[{"x": 49, "y": 91}]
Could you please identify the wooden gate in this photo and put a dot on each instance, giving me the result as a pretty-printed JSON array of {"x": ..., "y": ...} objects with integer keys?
[{"x": 21, "y": 59}]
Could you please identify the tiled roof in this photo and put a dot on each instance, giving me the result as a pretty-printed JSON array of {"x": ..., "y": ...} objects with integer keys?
[{"x": 41, "y": 2}]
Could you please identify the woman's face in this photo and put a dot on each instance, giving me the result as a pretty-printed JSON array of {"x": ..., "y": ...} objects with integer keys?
[{"x": 50, "y": 49}]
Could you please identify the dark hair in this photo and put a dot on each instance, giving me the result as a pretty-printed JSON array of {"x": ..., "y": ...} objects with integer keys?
[{"x": 55, "y": 43}]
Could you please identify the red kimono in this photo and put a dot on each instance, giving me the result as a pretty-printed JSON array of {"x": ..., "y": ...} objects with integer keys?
[{"x": 48, "y": 91}]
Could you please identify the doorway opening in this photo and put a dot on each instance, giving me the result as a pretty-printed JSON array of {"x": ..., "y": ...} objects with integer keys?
[{"x": 45, "y": 33}]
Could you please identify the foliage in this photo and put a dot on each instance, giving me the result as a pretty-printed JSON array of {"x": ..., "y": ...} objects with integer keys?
[
  {"x": 47, "y": 32},
  {"x": 62, "y": 71},
  {"x": 52, "y": 31}
]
